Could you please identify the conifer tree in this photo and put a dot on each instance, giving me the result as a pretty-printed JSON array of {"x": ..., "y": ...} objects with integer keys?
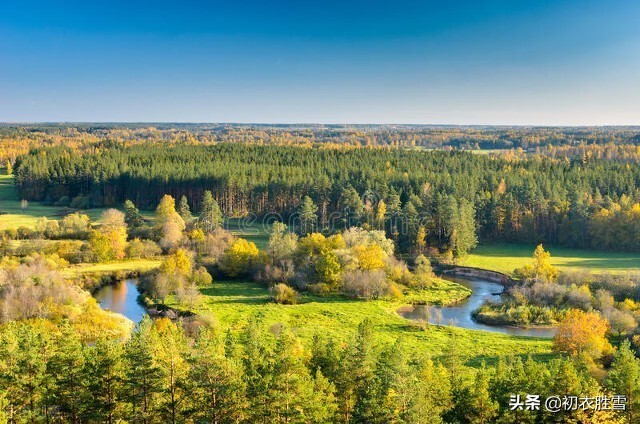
[
  {"x": 307, "y": 212},
  {"x": 210, "y": 216},
  {"x": 183, "y": 209}
]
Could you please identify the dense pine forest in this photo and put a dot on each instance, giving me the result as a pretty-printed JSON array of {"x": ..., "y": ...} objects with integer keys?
[{"x": 583, "y": 201}]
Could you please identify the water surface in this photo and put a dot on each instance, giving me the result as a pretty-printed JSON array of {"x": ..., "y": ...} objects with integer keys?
[
  {"x": 122, "y": 298},
  {"x": 459, "y": 314}
]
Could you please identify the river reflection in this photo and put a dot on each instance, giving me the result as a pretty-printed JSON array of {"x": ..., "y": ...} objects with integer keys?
[
  {"x": 122, "y": 298},
  {"x": 459, "y": 314}
]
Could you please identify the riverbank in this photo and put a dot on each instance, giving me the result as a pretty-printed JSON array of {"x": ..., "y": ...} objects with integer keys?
[{"x": 487, "y": 318}]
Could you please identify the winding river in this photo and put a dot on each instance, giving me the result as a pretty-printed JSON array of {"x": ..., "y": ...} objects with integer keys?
[
  {"x": 459, "y": 314},
  {"x": 121, "y": 297}
]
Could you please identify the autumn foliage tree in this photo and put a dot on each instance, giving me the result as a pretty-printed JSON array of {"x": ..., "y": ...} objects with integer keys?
[
  {"x": 110, "y": 240},
  {"x": 169, "y": 223},
  {"x": 540, "y": 268},
  {"x": 582, "y": 333},
  {"x": 239, "y": 257}
]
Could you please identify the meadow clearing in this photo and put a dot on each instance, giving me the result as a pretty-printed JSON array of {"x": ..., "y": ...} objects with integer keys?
[
  {"x": 507, "y": 257},
  {"x": 233, "y": 303}
]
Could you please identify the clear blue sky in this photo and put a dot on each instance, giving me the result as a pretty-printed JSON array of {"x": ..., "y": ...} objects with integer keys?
[{"x": 565, "y": 62}]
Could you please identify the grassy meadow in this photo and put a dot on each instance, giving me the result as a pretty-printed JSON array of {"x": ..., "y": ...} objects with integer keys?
[
  {"x": 232, "y": 304},
  {"x": 129, "y": 265},
  {"x": 13, "y": 216},
  {"x": 507, "y": 257},
  {"x": 248, "y": 229}
]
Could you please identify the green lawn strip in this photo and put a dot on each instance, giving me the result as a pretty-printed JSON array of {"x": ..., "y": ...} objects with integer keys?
[
  {"x": 507, "y": 257},
  {"x": 133, "y": 265}
]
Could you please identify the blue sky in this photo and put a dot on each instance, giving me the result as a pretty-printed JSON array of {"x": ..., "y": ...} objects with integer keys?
[{"x": 564, "y": 62}]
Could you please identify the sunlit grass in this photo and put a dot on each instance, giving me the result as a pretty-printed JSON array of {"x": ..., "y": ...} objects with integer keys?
[
  {"x": 507, "y": 257},
  {"x": 133, "y": 265},
  {"x": 234, "y": 303}
]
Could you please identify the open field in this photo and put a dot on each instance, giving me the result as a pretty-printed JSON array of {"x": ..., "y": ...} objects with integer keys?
[
  {"x": 13, "y": 216},
  {"x": 507, "y": 257},
  {"x": 234, "y": 303},
  {"x": 133, "y": 265}
]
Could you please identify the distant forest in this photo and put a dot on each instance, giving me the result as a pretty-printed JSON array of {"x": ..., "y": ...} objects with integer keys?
[
  {"x": 587, "y": 200},
  {"x": 20, "y": 138}
]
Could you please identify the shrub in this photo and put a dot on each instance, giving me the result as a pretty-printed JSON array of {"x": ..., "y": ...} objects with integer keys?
[
  {"x": 283, "y": 294},
  {"x": 70, "y": 250},
  {"x": 215, "y": 244},
  {"x": 62, "y": 201},
  {"x": 11, "y": 234},
  {"x": 75, "y": 225},
  {"x": 25, "y": 233},
  {"x": 369, "y": 284},
  {"x": 398, "y": 271},
  {"x": 201, "y": 277},
  {"x": 144, "y": 249},
  {"x": 281, "y": 272},
  {"x": 80, "y": 202}
]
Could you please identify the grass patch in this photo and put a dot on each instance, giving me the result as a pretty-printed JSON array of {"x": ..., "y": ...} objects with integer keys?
[
  {"x": 507, "y": 257},
  {"x": 250, "y": 229},
  {"x": 134, "y": 265},
  {"x": 235, "y": 303},
  {"x": 441, "y": 292},
  {"x": 13, "y": 216}
]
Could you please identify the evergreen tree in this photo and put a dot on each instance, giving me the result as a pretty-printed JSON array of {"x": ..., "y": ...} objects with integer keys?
[
  {"x": 475, "y": 404},
  {"x": 67, "y": 366},
  {"x": 143, "y": 378},
  {"x": 170, "y": 350},
  {"x": 217, "y": 386},
  {"x": 210, "y": 216},
  {"x": 105, "y": 370},
  {"x": 624, "y": 379},
  {"x": 307, "y": 213},
  {"x": 133, "y": 217},
  {"x": 184, "y": 210}
]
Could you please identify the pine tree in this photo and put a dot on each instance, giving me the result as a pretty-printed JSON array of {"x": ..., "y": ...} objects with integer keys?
[
  {"x": 217, "y": 387},
  {"x": 105, "y": 370},
  {"x": 184, "y": 210},
  {"x": 69, "y": 379},
  {"x": 210, "y": 216},
  {"x": 133, "y": 217},
  {"x": 143, "y": 378},
  {"x": 624, "y": 379},
  {"x": 170, "y": 350},
  {"x": 307, "y": 212}
]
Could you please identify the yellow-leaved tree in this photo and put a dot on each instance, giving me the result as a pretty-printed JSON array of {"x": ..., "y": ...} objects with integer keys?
[
  {"x": 239, "y": 257},
  {"x": 582, "y": 333},
  {"x": 540, "y": 268}
]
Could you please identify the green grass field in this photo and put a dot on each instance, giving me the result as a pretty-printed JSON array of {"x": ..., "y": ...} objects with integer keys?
[
  {"x": 247, "y": 229},
  {"x": 507, "y": 257},
  {"x": 234, "y": 303},
  {"x": 131, "y": 265},
  {"x": 13, "y": 216}
]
